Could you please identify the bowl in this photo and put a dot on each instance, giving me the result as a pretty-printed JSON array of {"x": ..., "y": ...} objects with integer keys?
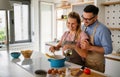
[
  {"x": 58, "y": 61},
  {"x": 40, "y": 73},
  {"x": 15, "y": 54},
  {"x": 26, "y": 53}
]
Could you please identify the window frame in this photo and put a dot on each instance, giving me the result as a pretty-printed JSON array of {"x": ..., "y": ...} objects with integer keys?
[{"x": 12, "y": 28}]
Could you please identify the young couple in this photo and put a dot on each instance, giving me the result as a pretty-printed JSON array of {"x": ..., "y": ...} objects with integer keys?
[{"x": 89, "y": 44}]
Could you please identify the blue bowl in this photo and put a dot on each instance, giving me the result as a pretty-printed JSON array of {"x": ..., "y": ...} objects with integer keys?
[
  {"x": 57, "y": 62},
  {"x": 15, "y": 54}
]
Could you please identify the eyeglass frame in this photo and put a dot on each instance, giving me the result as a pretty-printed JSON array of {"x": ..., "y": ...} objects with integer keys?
[{"x": 88, "y": 19}]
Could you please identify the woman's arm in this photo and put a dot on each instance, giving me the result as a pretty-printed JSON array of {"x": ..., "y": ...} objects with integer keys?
[{"x": 59, "y": 45}]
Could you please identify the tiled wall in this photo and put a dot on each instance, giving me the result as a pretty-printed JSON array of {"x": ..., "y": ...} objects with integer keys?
[{"x": 112, "y": 19}]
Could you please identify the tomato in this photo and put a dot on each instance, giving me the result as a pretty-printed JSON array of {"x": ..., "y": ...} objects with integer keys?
[{"x": 87, "y": 71}]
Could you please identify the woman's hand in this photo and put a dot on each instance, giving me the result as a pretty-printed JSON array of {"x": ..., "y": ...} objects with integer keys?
[{"x": 52, "y": 49}]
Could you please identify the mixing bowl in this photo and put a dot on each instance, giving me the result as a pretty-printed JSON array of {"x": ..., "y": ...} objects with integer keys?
[{"x": 26, "y": 53}]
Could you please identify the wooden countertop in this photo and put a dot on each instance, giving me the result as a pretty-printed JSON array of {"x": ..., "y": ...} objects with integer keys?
[{"x": 77, "y": 72}]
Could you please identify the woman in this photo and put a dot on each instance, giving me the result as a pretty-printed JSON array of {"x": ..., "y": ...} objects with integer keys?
[{"x": 72, "y": 39}]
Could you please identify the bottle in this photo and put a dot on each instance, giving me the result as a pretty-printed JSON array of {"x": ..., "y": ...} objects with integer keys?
[{"x": 68, "y": 52}]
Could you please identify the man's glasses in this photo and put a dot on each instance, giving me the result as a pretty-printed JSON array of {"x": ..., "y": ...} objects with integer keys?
[{"x": 88, "y": 19}]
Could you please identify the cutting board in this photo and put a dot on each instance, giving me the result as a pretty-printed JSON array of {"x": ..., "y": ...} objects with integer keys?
[{"x": 76, "y": 72}]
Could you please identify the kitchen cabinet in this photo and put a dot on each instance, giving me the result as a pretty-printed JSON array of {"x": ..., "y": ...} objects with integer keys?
[{"x": 112, "y": 68}]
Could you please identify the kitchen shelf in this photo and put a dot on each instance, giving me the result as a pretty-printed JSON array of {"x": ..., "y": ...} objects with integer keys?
[
  {"x": 111, "y": 3},
  {"x": 62, "y": 19},
  {"x": 114, "y": 28},
  {"x": 64, "y": 7},
  {"x": 80, "y": 3}
]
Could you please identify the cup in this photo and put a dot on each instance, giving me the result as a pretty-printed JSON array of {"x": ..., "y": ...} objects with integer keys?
[{"x": 40, "y": 73}]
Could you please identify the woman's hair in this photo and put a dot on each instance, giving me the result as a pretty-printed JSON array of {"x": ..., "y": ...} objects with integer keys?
[{"x": 76, "y": 16}]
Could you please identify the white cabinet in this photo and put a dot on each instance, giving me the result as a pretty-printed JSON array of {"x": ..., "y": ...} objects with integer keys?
[{"x": 112, "y": 68}]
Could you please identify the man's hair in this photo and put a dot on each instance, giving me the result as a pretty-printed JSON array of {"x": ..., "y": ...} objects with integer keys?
[{"x": 91, "y": 9}]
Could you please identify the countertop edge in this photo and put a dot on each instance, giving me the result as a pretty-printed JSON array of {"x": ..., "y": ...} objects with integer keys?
[{"x": 113, "y": 57}]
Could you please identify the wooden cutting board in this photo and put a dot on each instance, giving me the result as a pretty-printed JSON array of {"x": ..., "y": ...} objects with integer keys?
[
  {"x": 76, "y": 72},
  {"x": 93, "y": 74}
]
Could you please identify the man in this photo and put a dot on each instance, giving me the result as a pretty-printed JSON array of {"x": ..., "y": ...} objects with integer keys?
[{"x": 100, "y": 42}]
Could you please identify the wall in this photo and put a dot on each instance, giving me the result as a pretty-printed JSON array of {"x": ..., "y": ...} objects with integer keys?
[
  {"x": 35, "y": 23},
  {"x": 112, "y": 19}
]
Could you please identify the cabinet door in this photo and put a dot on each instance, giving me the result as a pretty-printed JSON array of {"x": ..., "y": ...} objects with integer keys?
[{"x": 112, "y": 68}]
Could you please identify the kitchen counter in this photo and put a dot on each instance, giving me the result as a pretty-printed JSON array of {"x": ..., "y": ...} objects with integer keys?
[
  {"x": 26, "y": 67},
  {"x": 10, "y": 69},
  {"x": 39, "y": 61},
  {"x": 113, "y": 56}
]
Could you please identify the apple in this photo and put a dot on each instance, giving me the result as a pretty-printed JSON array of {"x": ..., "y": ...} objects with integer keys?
[{"x": 87, "y": 71}]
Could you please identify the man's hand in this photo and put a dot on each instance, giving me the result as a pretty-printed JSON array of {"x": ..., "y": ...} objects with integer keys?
[{"x": 85, "y": 45}]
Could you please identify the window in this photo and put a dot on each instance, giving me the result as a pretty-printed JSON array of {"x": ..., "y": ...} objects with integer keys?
[
  {"x": 2, "y": 27},
  {"x": 19, "y": 24},
  {"x": 20, "y": 29}
]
